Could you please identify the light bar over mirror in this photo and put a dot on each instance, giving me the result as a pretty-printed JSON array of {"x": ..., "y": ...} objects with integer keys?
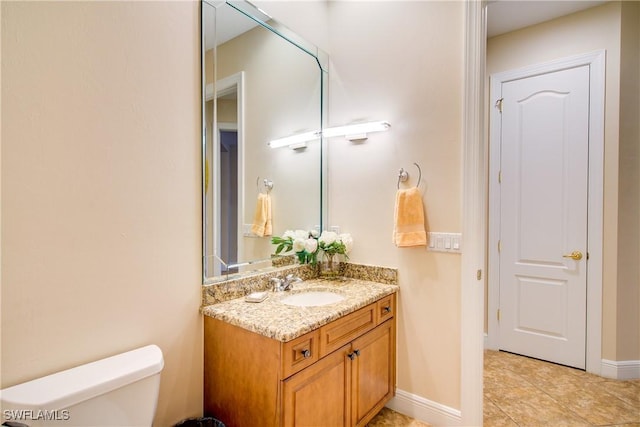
[
  {"x": 356, "y": 130},
  {"x": 352, "y": 132},
  {"x": 295, "y": 141}
]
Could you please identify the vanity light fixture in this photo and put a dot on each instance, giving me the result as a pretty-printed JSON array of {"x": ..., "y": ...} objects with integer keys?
[
  {"x": 295, "y": 141},
  {"x": 356, "y": 131},
  {"x": 352, "y": 132}
]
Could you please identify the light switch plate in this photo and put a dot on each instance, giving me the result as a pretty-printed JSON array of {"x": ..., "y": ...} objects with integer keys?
[{"x": 444, "y": 242}]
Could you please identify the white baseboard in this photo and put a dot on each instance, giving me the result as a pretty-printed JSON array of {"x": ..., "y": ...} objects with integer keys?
[
  {"x": 620, "y": 370},
  {"x": 425, "y": 410}
]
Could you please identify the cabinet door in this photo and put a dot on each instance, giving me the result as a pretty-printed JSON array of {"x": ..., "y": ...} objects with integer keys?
[
  {"x": 372, "y": 376},
  {"x": 318, "y": 395}
]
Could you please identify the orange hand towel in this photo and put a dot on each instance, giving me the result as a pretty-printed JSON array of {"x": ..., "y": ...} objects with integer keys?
[
  {"x": 260, "y": 216},
  {"x": 268, "y": 227},
  {"x": 408, "y": 227}
]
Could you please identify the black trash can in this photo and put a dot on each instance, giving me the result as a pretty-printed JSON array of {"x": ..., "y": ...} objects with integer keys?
[{"x": 200, "y": 422}]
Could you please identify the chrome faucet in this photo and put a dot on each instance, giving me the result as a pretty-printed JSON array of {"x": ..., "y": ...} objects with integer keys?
[{"x": 279, "y": 285}]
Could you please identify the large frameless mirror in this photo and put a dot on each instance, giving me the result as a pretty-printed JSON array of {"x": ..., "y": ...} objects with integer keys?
[{"x": 261, "y": 82}]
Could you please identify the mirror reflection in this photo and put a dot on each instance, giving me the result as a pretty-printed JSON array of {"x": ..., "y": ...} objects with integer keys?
[{"x": 260, "y": 82}]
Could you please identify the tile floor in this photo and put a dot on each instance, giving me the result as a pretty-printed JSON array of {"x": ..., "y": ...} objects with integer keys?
[
  {"x": 519, "y": 392},
  {"x": 390, "y": 418}
]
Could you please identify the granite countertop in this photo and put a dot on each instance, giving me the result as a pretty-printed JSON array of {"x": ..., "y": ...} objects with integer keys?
[{"x": 282, "y": 322}]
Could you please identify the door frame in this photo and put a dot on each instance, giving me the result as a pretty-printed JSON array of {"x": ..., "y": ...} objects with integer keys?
[
  {"x": 474, "y": 226},
  {"x": 224, "y": 86},
  {"x": 596, "y": 63}
]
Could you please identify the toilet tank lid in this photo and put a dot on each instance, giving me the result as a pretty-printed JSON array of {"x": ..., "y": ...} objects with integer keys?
[{"x": 67, "y": 388}]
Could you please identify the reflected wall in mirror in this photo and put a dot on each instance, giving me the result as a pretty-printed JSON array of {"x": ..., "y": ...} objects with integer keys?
[{"x": 260, "y": 82}]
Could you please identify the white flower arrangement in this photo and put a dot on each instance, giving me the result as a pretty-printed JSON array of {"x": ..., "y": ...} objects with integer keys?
[
  {"x": 308, "y": 244},
  {"x": 333, "y": 243}
]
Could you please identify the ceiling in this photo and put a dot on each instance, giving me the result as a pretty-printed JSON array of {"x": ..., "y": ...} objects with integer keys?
[
  {"x": 503, "y": 16},
  {"x": 230, "y": 22},
  {"x": 509, "y": 15}
]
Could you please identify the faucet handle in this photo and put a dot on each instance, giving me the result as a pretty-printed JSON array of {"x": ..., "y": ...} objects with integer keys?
[{"x": 276, "y": 284}]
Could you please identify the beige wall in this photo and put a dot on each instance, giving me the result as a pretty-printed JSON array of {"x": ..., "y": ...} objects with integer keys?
[
  {"x": 628, "y": 309},
  {"x": 593, "y": 29},
  {"x": 227, "y": 111},
  {"x": 638, "y": 119},
  {"x": 101, "y": 190},
  {"x": 388, "y": 61}
]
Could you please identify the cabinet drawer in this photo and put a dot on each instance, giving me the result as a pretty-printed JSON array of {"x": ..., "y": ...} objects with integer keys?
[
  {"x": 386, "y": 308},
  {"x": 299, "y": 353},
  {"x": 342, "y": 331}
]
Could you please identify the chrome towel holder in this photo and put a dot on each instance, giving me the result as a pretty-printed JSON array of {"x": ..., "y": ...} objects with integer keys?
[
  {"x": 266, "y": 183},
  {"x": 403, "y": 175}
]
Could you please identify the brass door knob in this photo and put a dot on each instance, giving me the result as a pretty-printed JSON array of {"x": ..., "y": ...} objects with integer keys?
[{"x": 575, "y": 255}]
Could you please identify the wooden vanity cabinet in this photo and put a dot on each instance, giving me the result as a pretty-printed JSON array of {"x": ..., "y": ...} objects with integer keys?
[
  {"x": 346, "y": 388},
  {"x": 341, "y": 374},
  {"x": 372, "y": 373},
  {"x": 320, "y": 394}
]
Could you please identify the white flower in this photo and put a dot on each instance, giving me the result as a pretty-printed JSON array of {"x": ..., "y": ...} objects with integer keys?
[
  {"x": 328, "y": 237},
  {"x": 347, "y": 241},
  {"x": 314, "y": 233},
  {"x": 298, "y": 244},
  {"x": 302, "y": 234},
  {"x": 310, "y": 245},
  {"x": 289, "y": 234}
]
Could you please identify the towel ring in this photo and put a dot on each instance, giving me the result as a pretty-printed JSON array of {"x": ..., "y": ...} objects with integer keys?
[
  {"x": 266, "y": 183},
  {"x": 403, "y": 175}
]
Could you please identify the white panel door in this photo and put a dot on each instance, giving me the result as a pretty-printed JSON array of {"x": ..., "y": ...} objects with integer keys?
[{"x": 543, "y": 193}]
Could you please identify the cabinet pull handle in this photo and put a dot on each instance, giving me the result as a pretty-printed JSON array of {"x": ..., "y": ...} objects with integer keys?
[
  {"x": 353, "y": 355},
  {"x": 306, "y": 353},
  {"x": 386, "y": 309}
]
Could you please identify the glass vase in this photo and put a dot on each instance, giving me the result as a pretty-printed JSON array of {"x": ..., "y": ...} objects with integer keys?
[{"x": 331, "y": 266}]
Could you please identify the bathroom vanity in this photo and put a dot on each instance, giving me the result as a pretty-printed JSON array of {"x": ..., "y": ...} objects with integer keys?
[
  {"x": 277, "y": 362},
  {"x": 273, "y": 364}
]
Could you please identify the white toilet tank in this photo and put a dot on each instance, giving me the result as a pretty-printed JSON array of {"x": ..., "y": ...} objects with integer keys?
[{"x": 121, "y": 391}]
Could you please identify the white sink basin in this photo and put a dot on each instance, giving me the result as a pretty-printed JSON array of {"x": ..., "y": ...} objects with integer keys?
[{"x": 312, "y": 298}]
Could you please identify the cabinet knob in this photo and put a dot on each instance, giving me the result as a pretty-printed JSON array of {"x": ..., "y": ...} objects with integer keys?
[
  {"x": 386, "y": 309},
  {"x": 357, "y": 352},
  {"x": 306, "y": 353},
  {"x": 351, "y": 356}
]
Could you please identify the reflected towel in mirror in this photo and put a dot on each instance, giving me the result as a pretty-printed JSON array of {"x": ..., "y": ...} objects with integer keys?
[
  {"x": 408, "y": 229},
  {"x": 262, "y": 218}
]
